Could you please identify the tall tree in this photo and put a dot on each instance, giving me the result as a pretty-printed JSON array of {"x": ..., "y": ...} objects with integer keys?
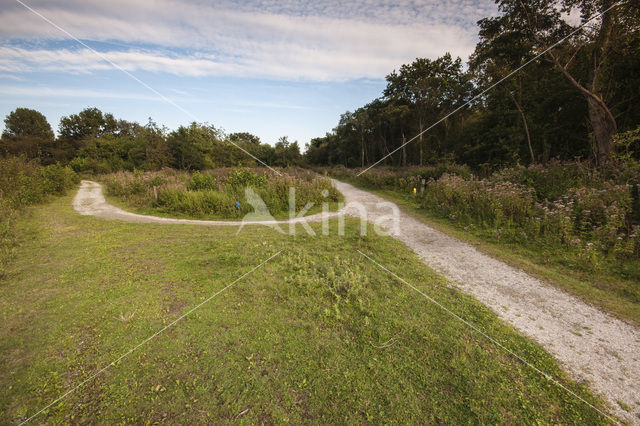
[
  {"x": 583, "y": 59},
  {"x": 27, "y": 123},
  {"x": 432, "y": 87}
]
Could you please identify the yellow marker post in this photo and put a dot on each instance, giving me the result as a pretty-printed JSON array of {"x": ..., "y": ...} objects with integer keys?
[{"x": 414, "y": 192}]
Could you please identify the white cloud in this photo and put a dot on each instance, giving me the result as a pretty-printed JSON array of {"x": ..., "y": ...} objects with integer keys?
[
  {"x": 286, "y": 40},
  {"x": 38, "y": 92}
]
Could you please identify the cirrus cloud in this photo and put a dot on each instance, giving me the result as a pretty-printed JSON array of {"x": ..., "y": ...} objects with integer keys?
[{"x": 284, "y": 40}]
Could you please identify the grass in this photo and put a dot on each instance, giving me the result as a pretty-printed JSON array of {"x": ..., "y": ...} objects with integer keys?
[
  {"x": 332, "y": 206},
  {"x": 608, "y": 291},
  {"x": 317, "y": 335},
  {"x": 218, "y": 194}
]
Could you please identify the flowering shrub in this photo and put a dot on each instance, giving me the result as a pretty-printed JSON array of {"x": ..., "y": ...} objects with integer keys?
[
  {"x": 593, "y": 221},
  {"x": 591, "y": 218},
  {"x": 549, "y": 181},
  {"x": 481, "y": 201}
]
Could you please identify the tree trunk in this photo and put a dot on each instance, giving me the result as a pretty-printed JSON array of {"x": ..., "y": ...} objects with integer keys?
[
  {"x": 362, "y": 150},
  {"x": 404, "y": 152},
  {"x": 526, "y": 127},
  {"x": 602, "y": 120},
  {"x": 604, "y": 127},
  {"x": 420, "y": 141}
]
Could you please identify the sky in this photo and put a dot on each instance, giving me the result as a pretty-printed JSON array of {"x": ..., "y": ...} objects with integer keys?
[{"x": 271, "y": 68}]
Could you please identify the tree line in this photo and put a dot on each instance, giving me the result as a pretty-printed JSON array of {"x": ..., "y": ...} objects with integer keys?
[
  {"x": 96, "y": 142},
  {"x": 566, "y": 104}
]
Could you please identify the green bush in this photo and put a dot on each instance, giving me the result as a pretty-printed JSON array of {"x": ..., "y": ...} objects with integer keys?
[
  {"x": 201, "y": 181},
  {"x": 242, "y": 178},
  {"x": 550, "y": 181}
]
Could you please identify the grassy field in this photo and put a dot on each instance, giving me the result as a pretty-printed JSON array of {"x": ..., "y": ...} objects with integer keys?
[
  {"x": 317, "y": 335},
  {"x": 612, "y": 290}
]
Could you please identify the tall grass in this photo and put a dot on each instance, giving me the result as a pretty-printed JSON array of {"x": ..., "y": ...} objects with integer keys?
[
  {"x": 219, "y": 192},
  {"x": 593, "y": 214},
  {"x": 23, "y": 183}
]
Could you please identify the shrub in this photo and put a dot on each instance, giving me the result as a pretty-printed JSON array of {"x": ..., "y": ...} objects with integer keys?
[
  {"x": 201, "y": 181},
  {"x": 242, "y": 178},
  {"x": 550, "y": 181},
  {"x": 480, "y": 201}
]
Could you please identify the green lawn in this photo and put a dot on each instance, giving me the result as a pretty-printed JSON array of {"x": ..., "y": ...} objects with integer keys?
[
  {"x": 607, "y": 289},
  {"x": 317, "y": 335}
]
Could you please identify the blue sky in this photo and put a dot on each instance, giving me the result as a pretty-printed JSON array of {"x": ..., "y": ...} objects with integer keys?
[{"x": 283, "y": 68}]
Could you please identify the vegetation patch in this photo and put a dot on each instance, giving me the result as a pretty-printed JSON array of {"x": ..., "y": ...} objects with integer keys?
[
  {"x": 23, "y": 183},
  {"x": 220, "y": 193},
  {"x": 317, "y": 335},
  {"x": 565, "y": 216}
]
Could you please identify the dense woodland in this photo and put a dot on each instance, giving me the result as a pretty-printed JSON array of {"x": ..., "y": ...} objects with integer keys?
[{"x": 567, "y": 104}]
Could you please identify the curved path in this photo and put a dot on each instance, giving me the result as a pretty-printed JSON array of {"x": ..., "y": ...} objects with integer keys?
[
  {"x": 592, "y": 345},
  {"x": 90, "y": 201}
]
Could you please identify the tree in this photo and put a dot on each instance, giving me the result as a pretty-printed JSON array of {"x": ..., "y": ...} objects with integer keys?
[
  {"x": 433, "y": 88},
  {"x": 192, "y": 146},
  {"x": 287, "y": 153},
  {"x": 90, "y": 122},
  {"x": 27, "y": 123},
  {"x": 584, "y": 59},
  {"x": 244, "y": 138},
  {"x": 362, "y": 123}
]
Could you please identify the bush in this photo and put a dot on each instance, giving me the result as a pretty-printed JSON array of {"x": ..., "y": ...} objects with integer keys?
[
  {"x": 404, "y": 179},
  {"x": 593, "y": 222},
  {"x": 242, "y": 178},
  {"x": 480, "y": 201},
  {"x": 550, "y": 181},
  {"x": 201, "y": 181}
]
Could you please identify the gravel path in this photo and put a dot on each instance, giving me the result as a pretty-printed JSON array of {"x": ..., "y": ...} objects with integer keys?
[
  {"x": 593, "y": 346},
  {"x": 90, "y": 201}
]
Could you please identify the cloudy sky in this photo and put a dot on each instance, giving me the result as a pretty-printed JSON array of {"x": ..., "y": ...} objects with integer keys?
[{"x": 272, "y": 68}]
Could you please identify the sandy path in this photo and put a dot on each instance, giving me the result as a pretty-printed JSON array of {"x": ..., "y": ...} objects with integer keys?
[
  {"x": 90, "y": 201},
  {"x": 592, "y": 345}
]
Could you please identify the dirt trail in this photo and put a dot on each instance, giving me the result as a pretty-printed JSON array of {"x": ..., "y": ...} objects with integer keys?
[
  {"x": 90, "y": 201},
  {"x": 592, "y": 345}
]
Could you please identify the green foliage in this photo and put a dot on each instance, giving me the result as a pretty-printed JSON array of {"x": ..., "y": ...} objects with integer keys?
[
  {"x": 23, "y": 183},
  {"x": 90, "y": 122},
  {"x": 402, "y": 178},
  {"x": 27, "y": 123},
  {"x": 239, "y": 179},
  {"x": 590, "y": 216},
  {"x": 93, "y": 142},
  {"x": 201, "y": 181},
  {"x": 197, "y": 203},
  {"x": 550, "y": 181},
  {"x": 203, "y": 195},
  {"x": 531, "y": 117}
]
